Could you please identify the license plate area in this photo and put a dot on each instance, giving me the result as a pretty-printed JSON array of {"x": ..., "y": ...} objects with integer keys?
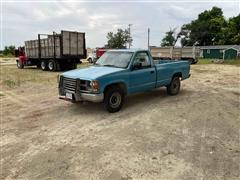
[{"x": 69, "y": 96}]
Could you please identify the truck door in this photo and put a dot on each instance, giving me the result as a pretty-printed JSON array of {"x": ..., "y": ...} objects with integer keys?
[{"x": 142, "y": 75}]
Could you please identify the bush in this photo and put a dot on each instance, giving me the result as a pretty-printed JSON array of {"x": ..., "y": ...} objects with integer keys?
[{"x": 9, "y": 50}]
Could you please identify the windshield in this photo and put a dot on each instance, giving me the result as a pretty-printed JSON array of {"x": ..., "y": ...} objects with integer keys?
[{"x": 115, "y": 59}]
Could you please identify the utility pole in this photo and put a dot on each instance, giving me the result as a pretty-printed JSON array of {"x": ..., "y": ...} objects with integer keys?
[
  {"x": 148, "y": 38},
  {"x": 129, "y": 29}
]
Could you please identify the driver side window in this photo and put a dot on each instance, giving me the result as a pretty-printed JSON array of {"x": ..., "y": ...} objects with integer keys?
[{"x": 142, "y": 57}]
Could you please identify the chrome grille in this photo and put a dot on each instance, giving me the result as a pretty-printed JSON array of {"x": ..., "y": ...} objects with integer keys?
[{"x": 69, "y": 84}]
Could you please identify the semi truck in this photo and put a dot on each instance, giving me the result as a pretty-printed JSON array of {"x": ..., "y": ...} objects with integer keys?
[
  {"x": 190, "y": 53},
  {"x": 53, "y": 52},
  {"x": 118, "y": 73}
]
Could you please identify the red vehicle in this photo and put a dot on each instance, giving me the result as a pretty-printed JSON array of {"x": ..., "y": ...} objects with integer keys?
[
  {"x": 100, "y": 52},
  {"x": 22, "y": 58},
  {"x": 96, "y": 54}
]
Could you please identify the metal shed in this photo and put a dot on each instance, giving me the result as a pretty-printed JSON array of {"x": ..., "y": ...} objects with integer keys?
[{"x": 221, "y": 51}]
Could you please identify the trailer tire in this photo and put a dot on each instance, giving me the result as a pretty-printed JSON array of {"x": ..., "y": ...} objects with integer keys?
[
  {"x": 58, "y": 67},
  {"x": 20, "y": 65},
  {"x": 74, "y": 65},
  {"x": 194, "y": 61},
  {"x": 44, "y": 65},
  {"x": 52, "y": 65},
  {"x": 174, "y": 87},
  {"x": 113, "y": 99}
]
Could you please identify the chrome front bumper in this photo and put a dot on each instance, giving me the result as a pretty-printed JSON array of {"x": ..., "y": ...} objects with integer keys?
[{"x": 76, "y": 97}]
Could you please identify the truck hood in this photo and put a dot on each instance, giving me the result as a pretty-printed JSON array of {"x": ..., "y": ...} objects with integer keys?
[{"x": 91, "y": 73}]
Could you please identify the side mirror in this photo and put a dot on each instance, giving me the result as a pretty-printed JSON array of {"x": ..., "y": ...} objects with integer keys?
[{"x": 137, "y": 65}]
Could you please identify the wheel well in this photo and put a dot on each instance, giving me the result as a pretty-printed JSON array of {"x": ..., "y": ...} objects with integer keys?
[
  {"x": 179, "y": 74},
  {"x": 120, "y": 85}
]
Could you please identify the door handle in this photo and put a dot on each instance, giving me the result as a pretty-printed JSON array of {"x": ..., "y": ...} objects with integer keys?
[{"x": 152, "y": 72}]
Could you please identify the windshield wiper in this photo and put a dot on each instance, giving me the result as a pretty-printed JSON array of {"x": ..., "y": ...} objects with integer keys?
[{"x": 109, "y": 65}]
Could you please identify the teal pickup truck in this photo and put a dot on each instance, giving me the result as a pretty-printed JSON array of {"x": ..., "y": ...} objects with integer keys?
[{"x": 119, "y": 73}]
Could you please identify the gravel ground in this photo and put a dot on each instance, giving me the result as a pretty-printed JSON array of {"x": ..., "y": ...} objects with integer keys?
[{"x": 194, "y": 135}]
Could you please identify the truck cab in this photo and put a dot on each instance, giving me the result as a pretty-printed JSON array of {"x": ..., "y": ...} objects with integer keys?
[{"x": 119, "y": 73}]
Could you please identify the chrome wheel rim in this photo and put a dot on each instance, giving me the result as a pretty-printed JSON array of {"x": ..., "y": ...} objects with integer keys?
[
  {"x": 50, "y": 65},
  {"x": 115, "y": 100},
  {"x": 43, "y": 65}
]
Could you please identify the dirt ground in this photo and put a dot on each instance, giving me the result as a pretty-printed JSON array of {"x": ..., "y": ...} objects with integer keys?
[{"x": 194, "y": 135}]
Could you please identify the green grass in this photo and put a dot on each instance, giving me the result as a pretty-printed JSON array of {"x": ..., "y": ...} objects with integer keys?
[
  {"x": 9, "y": 82},
  {"x": 205, "y": 61},
  {"x": 7, "y": 56},
  {"x": 227, "y": 62},
  {"x": 11, "y": 77}
]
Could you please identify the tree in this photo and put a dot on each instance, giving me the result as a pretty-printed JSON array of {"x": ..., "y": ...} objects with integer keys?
[
  {"x": 9, "y": 50},
  {"x": 119, "y": 39},
  {"x": 231, "y": 33},
  {"x": 207, "y": 29},
  {"x": 169, "y": 39}
]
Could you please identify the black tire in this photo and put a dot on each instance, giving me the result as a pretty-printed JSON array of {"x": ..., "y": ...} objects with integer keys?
[
  {"x": 20, "y": 65},
  {"x": 52, "y": 65},
  {"x": 44, "y": 65},
  {"x": 90, "y": 60},
  {"x": 113, "y": 99},
  {"x": 194, "y": 61},
  {"x": 174, "y": 87},
  {"x": 58, "y": 67},
  {"x": 39, "y": 65},
  {"x": 74, "y": 65}
]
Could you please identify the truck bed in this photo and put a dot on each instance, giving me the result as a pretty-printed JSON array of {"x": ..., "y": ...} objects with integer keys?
[
  {"x": 167, "y": 68},
  {"x": 66, "y": 44}
]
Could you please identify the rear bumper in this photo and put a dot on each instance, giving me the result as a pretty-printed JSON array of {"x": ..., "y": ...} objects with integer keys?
[{"x": 76, "y": 97}]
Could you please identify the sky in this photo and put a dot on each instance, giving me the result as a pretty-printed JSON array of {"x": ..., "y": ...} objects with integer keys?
[{"x": 23, "y": 20}]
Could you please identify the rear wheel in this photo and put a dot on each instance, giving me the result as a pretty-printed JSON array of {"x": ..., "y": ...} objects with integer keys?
[
  {"x": 20, "y": 65},
  {"x": 52, "y": 65},
  {"x": 58, "y": 67},
  {"x": 174, "y": 87},
  {"x": 44, "y": 65},
  {"x": 113, "y": 99},
  {"x": 194, "y": 61}
]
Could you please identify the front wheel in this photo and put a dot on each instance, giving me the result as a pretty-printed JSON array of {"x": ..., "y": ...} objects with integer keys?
[
  {"x": 44, "y": 65},
  {"x": 113, "y": 99},
  {"x": 20, "y": 65},
  {"x": 174, "y": 87},
  {"x": 90, "y": 60}
]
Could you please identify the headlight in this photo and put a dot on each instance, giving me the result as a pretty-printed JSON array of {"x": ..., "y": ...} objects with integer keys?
[{"x": 95, "y": 86}]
